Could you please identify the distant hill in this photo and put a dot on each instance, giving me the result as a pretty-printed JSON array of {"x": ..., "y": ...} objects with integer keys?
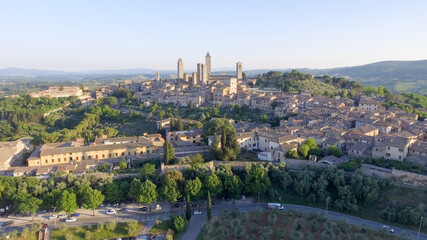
[{"x": 398, "y": 76}]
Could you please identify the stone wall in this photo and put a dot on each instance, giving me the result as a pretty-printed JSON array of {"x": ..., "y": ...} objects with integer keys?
[
  {"x": 180, "y": 167},
  {"x": 408, "y": 178}
]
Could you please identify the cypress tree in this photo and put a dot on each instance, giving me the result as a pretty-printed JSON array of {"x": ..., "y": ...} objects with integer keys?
[
  {"x": 223, "y": 139},
  {"x": 187, "y": 208},
  {"x": 209, "y": 206}
]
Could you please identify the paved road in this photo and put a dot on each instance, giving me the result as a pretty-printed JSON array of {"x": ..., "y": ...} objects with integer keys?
[{"x": 197, "y": 221}]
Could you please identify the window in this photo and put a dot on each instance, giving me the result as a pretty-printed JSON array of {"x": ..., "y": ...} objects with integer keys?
[
  {"x": 71, "y": 158},
  {"x": 71, "y": 153},
  {"x": 96, "y": 156},
  {"x": 117, "y": 154},
  {"x": 65, "y": 159},
  {"x": 59, "y": 160},
  {"x": 141, "y": 152},
  {"x": 53, "y": 160},
  {"x": 134, "y": 153},
  {"x": 400, "y": 150},
  {"x": 123, "y": 153},
  {"x": 109, "y": 155},
  {"x": 128, "y": 153},
  {"x": 77, "y": 158},
  {"x": 90, "y": 157},
  {"x": 103, "y": 155},
  {"x": 83, "y": 157},
  {"x": 45, "y": 161},
  {"x": 148, "y": 151}
]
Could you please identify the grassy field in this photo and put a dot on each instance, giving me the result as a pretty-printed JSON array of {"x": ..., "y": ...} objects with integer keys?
[
  {"x": 135, "y": 127},
  {"x": 78, "y": 233},
  {"x": 284, "y": 225}
]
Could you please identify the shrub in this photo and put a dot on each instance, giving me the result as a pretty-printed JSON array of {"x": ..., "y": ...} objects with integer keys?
[
  {"x": 272, "y": 218},
  {"x": 299, "y": 223},
  {"x": 178, "y": 223},
  {"x": 64, "y": 227},
  {"x": 296, "y": 235},
  {"x": 132, "y": 227},
  {"x": 110, "y": 226},
  {"x": 68, "y": 236},
  {"x": 314, "y": 225},
  {"x": 100, "y": 227},
  {"x": 88, "y": 235}
]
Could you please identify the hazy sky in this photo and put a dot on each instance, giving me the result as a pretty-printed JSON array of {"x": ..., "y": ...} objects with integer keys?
[{"x": 90, "y": 35}]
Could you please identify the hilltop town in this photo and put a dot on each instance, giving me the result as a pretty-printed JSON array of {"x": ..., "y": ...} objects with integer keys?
[{"x": 207, "y": 123}]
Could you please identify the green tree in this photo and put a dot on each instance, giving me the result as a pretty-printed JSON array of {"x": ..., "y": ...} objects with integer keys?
[
  {"x": 135, "y": 187},
  {"x": 193, "y": 187},
  {"x": 257, "y": 179},
  {"x": 292, "y": 154},
  {"x": 169, "y": 152},
  {"x": 148, "y": 193},
  {"x": 67, "y": 202},
  {"x": 209, "y": 208},
  {"x": 303, "y": 150},
  {"x": 26, "y": 203},
  {"x": 112, "y": 193},
  {"x": 92, "y": 198},
  {"x": 233, "y": 186},
  {"x": 170, "y": 190},
  {"x": 123, "y": 164},
  {"x": 332, "y": 150},
  {"x": 179, "y": 125},
  {"x": 187, "y": 208},
  {"x": 178, "y": 223},
  {"x": 214, "y": 184},
  {"x": 148, "y": 170},
  {"x": 111, "y": 225}
]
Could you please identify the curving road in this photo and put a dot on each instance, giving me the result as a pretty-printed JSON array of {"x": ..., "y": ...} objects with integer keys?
[{"x": 197, "y": 221}]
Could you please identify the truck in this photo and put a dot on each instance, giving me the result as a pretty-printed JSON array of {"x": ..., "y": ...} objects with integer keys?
[{"x": 273, "y": 205}]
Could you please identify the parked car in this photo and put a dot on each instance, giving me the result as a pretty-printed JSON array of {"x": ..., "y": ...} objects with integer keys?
[
  {"x": 111, "y": 211},
  {"x": 53, "y": 216},
  {"x": 8, "y": 223},
  {"x": 71, "y": 219},
  {"x": 390, "y": 229},
  {"x": 123, "y": 210},
  {"x": 197, "y": 212},
  {"x": 45, "y": 225},
  {"x": 74, "y": 214},
  {"x": 281, "y": 207},
  {"x": 176, "y": 205},
  {"x": 62, "y": 216},
  {"x": 143, "y": 209}
]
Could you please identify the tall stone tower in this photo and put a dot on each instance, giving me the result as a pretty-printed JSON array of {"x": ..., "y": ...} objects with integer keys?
[
  {"x": 157, "y": 76},
  {"x": 202, "y": 74},
  {"x": 239, "y": 70},
  {"x": 194, "y": 79},
  {"x": 185, "y": 77},
  {"x": 180, "y": 69},
  {"x": 208, "y": 63}
]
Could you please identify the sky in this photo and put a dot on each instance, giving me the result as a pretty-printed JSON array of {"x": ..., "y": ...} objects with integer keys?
[{"x": 82, "y": 35}]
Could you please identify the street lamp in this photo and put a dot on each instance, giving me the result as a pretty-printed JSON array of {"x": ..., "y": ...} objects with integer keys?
[
  {"x": 327, "y": 204},
  {"x": 419, "y": 228}
]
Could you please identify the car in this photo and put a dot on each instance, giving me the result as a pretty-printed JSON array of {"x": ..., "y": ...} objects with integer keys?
[
  {"x": 176, "y": 205},
  {"x": 45, "y": 225},
  {"x": 281, "y": 207},
  {"x": 8, "y": 223},
  {"x": 74, "y": 214},
  {"x": 143, "y": 209},
  {"x": 123, "y": 210},
  {"x": 390, "y": 229},
  {"x": 71, "y": 219},
  {"x": 53, "y": 216},
  {"x": 111, "y": 211},
  {"x": 62, "y": 216},
  {"x": 243, "y": 197},
  {"x": 197, "y": 212}
]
